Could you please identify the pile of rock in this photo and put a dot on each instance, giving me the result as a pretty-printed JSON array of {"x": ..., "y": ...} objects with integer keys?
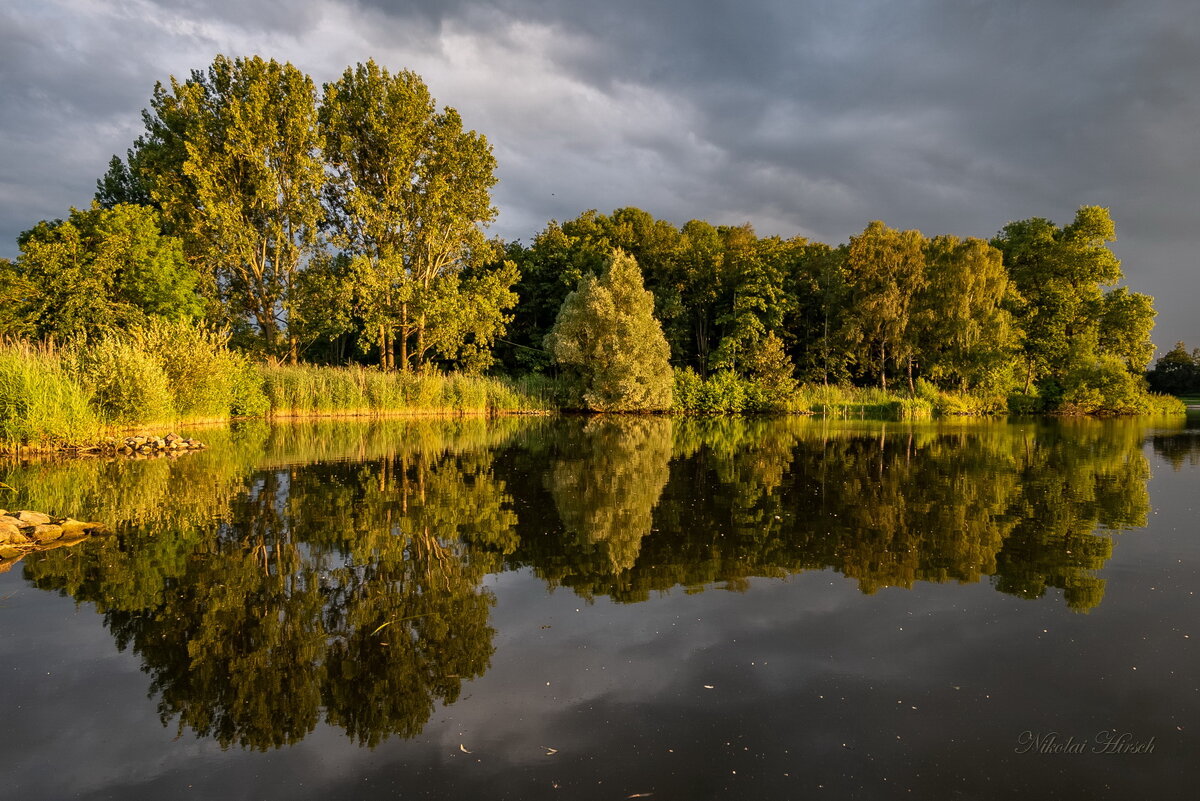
[
  {"x": 142, "y": 444},
  {"x": 25, "y": 531}
]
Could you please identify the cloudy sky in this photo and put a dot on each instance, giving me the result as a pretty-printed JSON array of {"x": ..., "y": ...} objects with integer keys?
[{"x": 807, "y": 117}]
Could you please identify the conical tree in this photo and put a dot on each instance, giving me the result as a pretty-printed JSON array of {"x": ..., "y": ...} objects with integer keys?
[{"x": 609, "y": 344}]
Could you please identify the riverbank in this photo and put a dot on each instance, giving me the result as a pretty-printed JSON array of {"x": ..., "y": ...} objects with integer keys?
[{"x": 81, "y": 398}]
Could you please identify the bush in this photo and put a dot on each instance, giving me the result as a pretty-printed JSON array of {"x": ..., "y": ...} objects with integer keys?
[
  {"x": 247, "y": 392},
  {"x": 127, "y": 385},
  {"x": 608, "y": 342},
  {"x": 198, "y": 364}
]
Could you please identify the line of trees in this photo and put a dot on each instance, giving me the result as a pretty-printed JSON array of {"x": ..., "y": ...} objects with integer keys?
[
  {"x": 347, "y": 225},
  {"x": 1034, "y": 309},
  {"x": 1177, "y": 371},
  {"x": 310, "y": 224}
]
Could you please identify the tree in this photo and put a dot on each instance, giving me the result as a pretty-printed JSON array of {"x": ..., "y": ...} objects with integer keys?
[
  {"x": 408, "y": 192},
  {"x": 102, "y": 269},
  {"x": 610, "y": 344},
  {"x": 1126, "y": 319},
  {"x": 1058, "y": 274},
  {"x": 233, "y": 158},
  {"x": 886, "y": 270},
  {"x": 1176, "y": 372},
  {"x": 965, "y": 330}
]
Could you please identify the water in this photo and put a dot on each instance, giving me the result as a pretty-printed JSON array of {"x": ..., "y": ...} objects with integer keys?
[{"x": 534, "y": 608}]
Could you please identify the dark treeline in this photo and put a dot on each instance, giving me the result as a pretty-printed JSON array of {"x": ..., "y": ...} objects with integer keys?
[
  {"x": 1177, "y": 371},
  {"x": 1027, "y": 311},
  {"x": 346, "y": 225}
]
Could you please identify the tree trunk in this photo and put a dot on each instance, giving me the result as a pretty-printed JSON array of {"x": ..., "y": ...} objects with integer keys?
[
  {"x": 912, "y": 390},
  {"x": 404, "y": 337},
  {"x": 883, "y": 367}
]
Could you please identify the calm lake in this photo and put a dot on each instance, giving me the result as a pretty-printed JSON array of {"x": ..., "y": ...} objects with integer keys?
[{"x": 613, "y": 608}]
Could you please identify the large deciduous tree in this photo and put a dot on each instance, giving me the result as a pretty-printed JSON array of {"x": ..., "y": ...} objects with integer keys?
[
  {"x": 965, "y": 331},
  {"x": 408, "y": 191},
  {"x": 233, "y": 157},
  {"x": 1058, "y": 274},
  {"x": 885, "y": 270}
]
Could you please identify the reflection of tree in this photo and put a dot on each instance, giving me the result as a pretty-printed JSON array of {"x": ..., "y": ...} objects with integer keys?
[
  {"x": 605, "y": 478},
  {"x": 885, "y": 504},
  {"x": 349, "y": 591},
  {"x": 1178, "y": 447},
  {"x": 606, "y": 481},
  {"x": 1075, "y": 478},
  {"x": 334, "y": 572}
]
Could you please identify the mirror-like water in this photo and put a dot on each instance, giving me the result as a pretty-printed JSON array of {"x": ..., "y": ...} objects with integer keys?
[{"x": 536, "y": 608}]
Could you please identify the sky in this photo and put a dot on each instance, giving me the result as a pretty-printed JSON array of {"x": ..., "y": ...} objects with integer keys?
[{"x": 801, "y": 117}]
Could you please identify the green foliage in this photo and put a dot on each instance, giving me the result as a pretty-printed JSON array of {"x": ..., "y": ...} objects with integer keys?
[
  {"x": 1103, "y": 386},
  {"x": 304, "y": 390},
  {"x": 232, "y": 156},
  {"x": 886, "y": 271},
  {"x": 198, "y": 364},
  {"x": 1176, "y": 372},
  {"x": 247, "y": 392},
  {"x": 127, "y": 385},
  {"x": 40, "y": 402},
  {"x": 608, "y": 341},
  {"x": 100, "y": 270},
  {"x": 408, "y": 191}
]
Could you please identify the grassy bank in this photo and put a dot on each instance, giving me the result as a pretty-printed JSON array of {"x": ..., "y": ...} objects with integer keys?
[
  {"x": 174, "y": 374},
  {"x": 168, "y": 375}
]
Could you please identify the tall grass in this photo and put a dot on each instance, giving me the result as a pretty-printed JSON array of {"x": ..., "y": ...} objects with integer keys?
[
  {"x": 305, "y": 391},
  {"x": 39, "y": 400}
]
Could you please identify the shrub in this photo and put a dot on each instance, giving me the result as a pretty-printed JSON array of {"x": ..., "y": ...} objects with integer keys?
[
  {"x": 198, "y": 364},
  {"x": 608, "y": 341},
  {"x": 127, "y": 384}
]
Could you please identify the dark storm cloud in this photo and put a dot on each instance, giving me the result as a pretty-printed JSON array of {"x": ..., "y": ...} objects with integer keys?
[{"x": 801, "y": 117}]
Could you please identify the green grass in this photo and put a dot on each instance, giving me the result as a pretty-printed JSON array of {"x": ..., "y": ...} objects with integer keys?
[
  {"x": 308, "y": 391},
  {"x": 39, "y": 400}
]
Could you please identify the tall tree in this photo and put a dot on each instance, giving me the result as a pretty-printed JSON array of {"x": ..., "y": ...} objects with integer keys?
[
  {"x": 966, "y": 333},
  {"x": 886, "y": 270},
  {"x": 409, "y": 190},
  {"x": 233, "y": 158},
  {"x": 1058, "y": 274}
]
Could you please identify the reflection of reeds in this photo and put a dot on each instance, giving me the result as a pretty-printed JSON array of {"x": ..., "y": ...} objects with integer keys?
[{"x": 168, "y": 493}]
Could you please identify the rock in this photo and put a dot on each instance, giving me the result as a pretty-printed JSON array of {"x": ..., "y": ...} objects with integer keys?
[
  {"x": 135, "y": 442},
  {"x": 7, "y": 518},
  {"x": 172, "y": 437},
  {"x": 47, "y": 532},
  {"x": 70, "y": 524},
  {"x": 69, "y": 539},
  {"x": 32, "y": 518},
  {"x": 11, "y": 535},
  {"x": 9, "y": 556}
]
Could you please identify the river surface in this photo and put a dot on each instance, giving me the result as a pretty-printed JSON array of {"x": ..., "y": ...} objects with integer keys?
[{"x": 614, "y": 608}]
